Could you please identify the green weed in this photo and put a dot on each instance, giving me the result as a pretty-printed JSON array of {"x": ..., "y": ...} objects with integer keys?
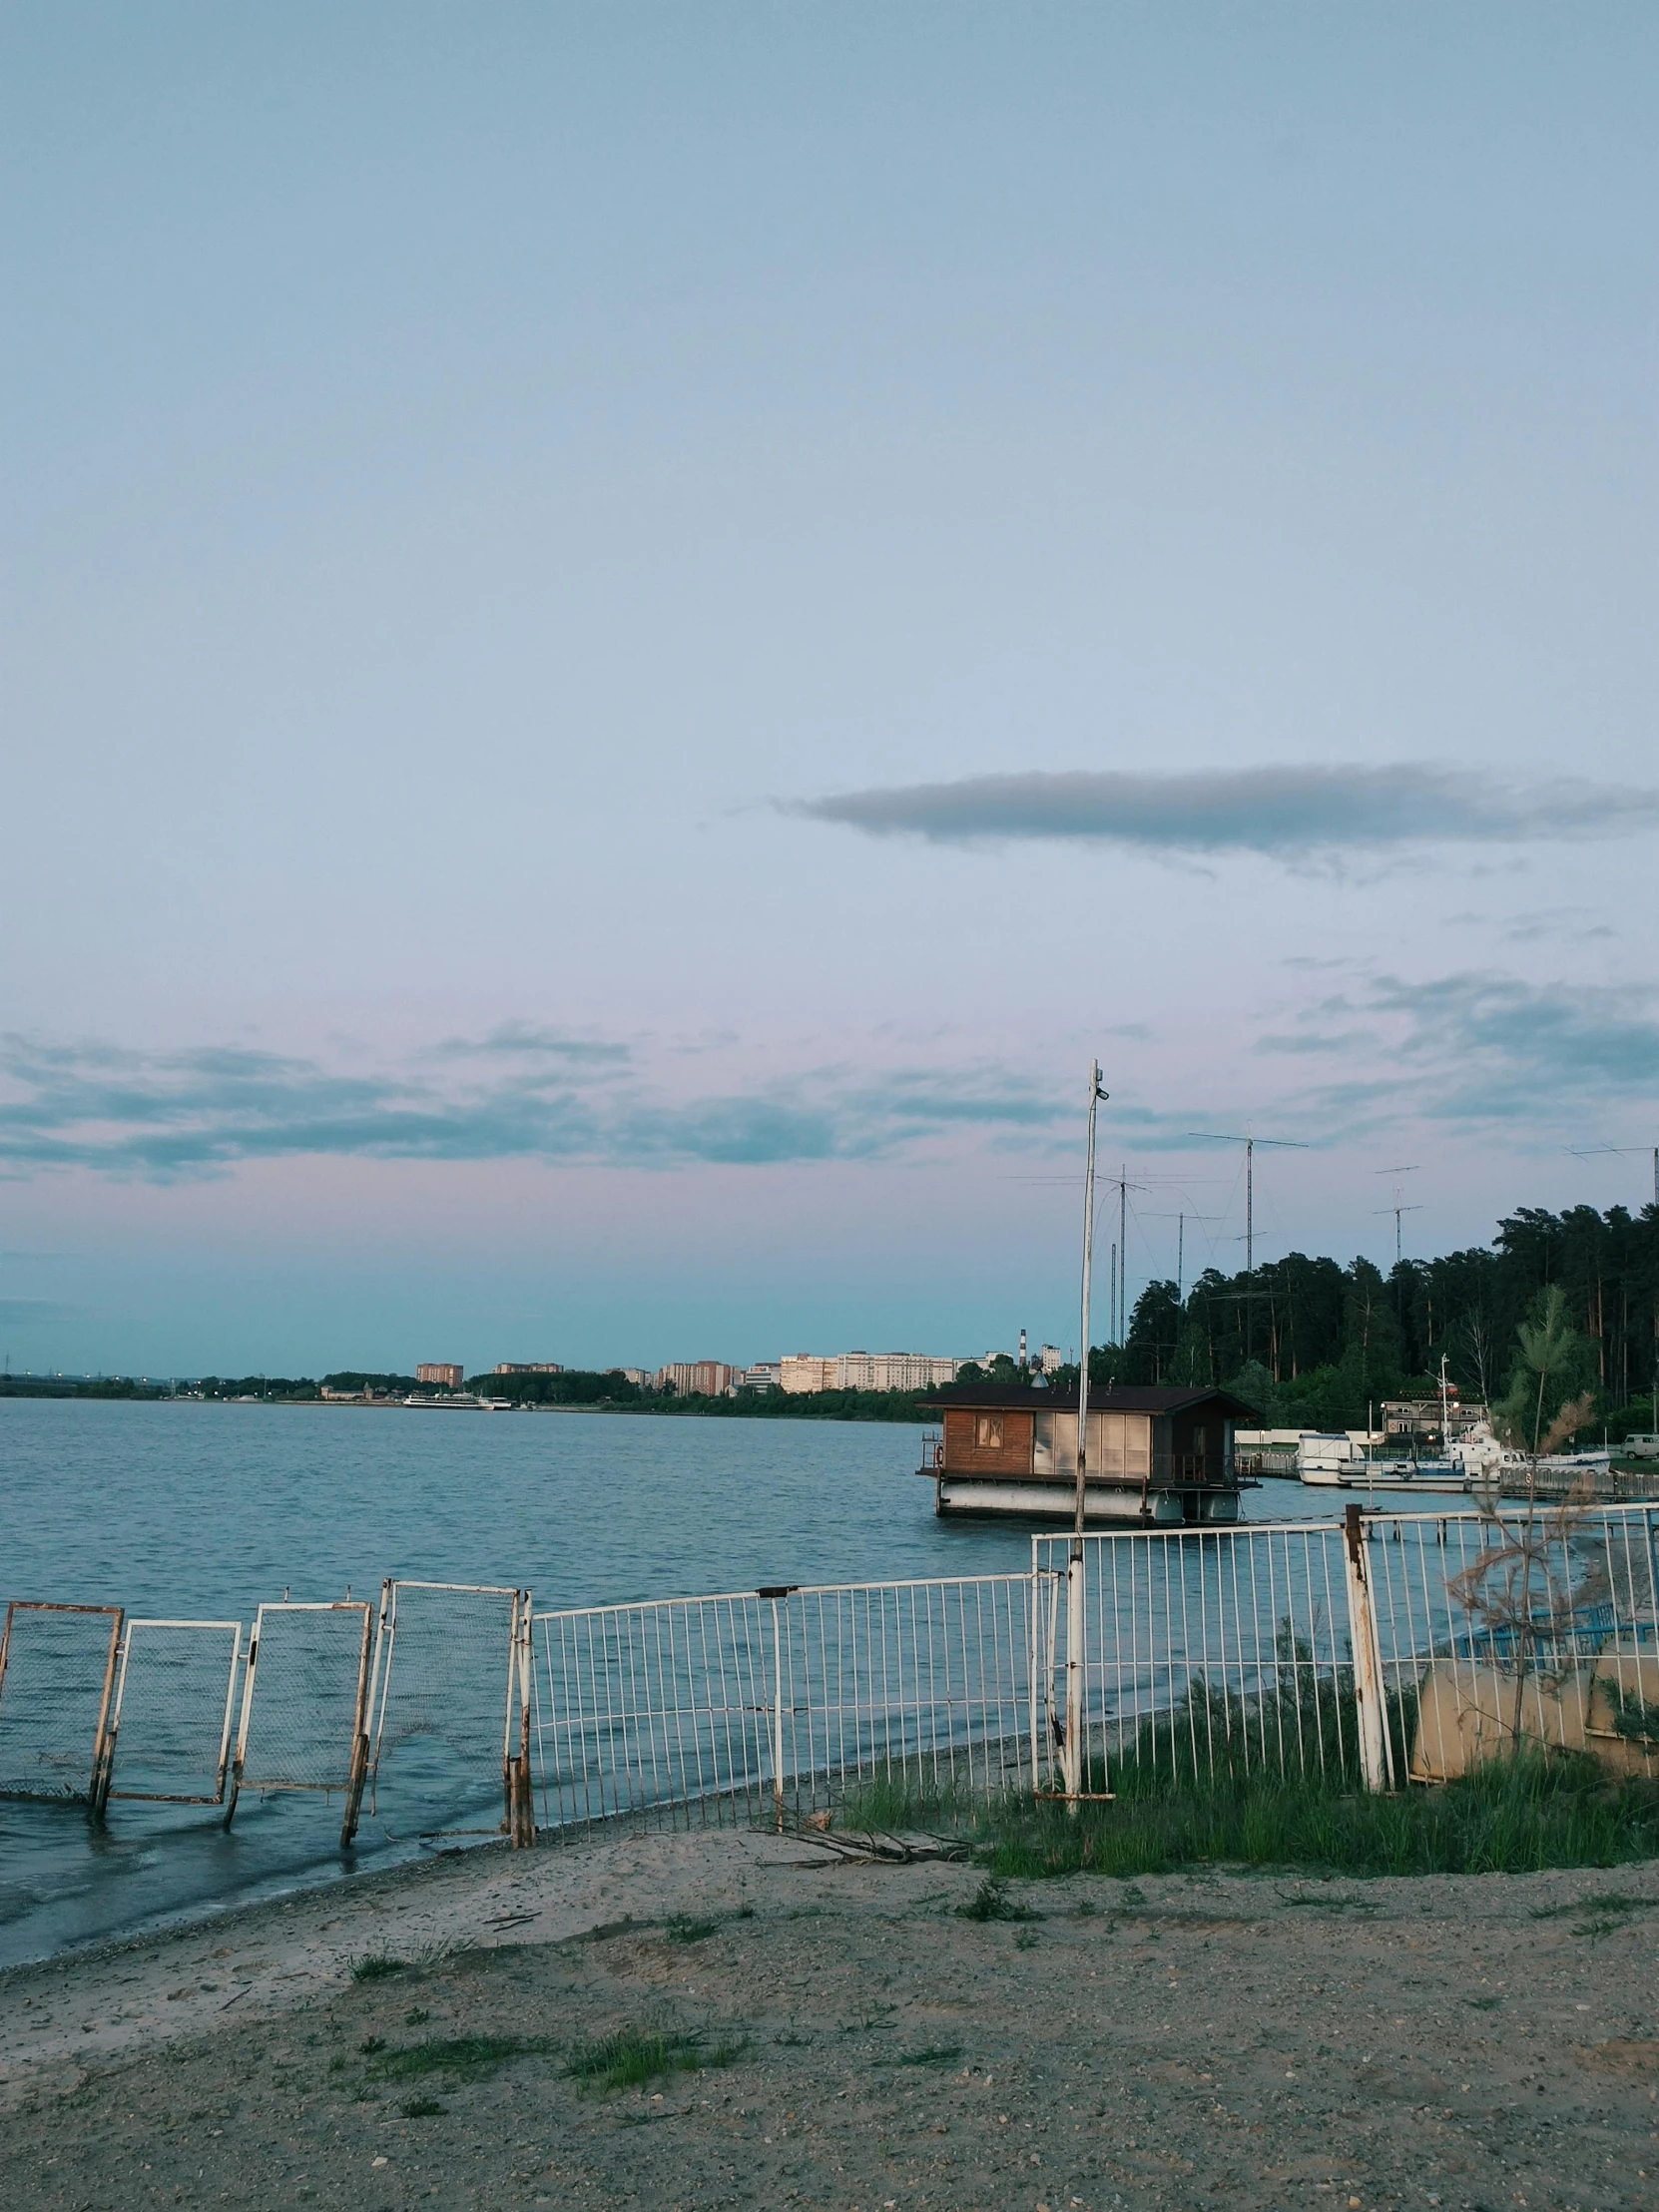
[
  {"x": 683, "y": 1928},
  {"x": 991, "y": 1902},
  {"x": 632, "y": 2056},
  {"x": 471, "y": 2056},
  {"x": 419, "y": 2108},
  {"x": 934, "y": 2054},
  {"x": 378, "y": 1965}
]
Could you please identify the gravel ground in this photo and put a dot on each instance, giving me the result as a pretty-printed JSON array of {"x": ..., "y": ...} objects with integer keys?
[{"x": 854, "y": 2043}]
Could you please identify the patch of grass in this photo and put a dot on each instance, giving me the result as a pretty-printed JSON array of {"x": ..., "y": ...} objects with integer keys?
[
  {"x": 790, "y": 2041},
  {"x": 471, "y": 2056},
  {"x": 378, "y": 1965},
  {"x": 933, "y": 2055},
  {"x": 419, "y": 2108},
  {"x": 683, "y": 1928},
  {"x": 416, "y": 2016},
  {"x": 1515, "y": 1816},
  {"x": 372, "y": 2043},
  {"x": 991, "y": 1902},
  {"x": 632, "y": 2056},
  {"x": 1332, "y": 1904}
]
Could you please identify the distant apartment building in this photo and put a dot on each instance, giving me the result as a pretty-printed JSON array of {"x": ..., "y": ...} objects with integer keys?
[
  {"x": 1049, "y": 1358},
  {"x": 800, "y": 1371},
  {"x": 444, "y": 1373},
  {"x": 529, "y": 1366},
  {"x": 764, "y": 1375},
  {"x": 641, "y": 1378},
  {"x": 697, "y": 1378},
  {"x": 865, "y": 1370}
]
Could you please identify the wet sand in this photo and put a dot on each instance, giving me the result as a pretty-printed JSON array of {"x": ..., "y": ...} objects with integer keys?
[{"x": 1238, "y": 2040}]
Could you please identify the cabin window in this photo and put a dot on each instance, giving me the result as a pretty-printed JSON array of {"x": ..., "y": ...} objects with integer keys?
[{"x": 987, "y": 1431}]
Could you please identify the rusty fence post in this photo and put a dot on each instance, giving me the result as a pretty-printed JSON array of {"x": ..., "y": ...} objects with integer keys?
[
  {"x": 1368, "y": 1658},
  {"x": 519, "y": 1794},
  {"x": 358, "y": 1771}
]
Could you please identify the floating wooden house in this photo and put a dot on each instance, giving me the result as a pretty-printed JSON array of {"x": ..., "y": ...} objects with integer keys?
[{"x": 1158, "y": 1459}]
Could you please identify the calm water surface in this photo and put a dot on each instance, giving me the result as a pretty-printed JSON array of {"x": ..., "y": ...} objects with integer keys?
[{"x": 194, "y": 1511}]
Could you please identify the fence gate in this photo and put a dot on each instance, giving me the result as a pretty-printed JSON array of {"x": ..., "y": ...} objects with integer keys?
[
  {"x": 57, "y": 1678},
  {"x": 452, "y": 1667},
  {"x": 304, "y": 1703},
  {"x": 173, "y": 1700}
]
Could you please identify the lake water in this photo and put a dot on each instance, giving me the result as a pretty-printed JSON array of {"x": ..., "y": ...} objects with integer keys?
[{"x": 204, "y": 1511}]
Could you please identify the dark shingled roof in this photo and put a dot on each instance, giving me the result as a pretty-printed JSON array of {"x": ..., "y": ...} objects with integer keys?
[{"x": 1126, "y": 1398}]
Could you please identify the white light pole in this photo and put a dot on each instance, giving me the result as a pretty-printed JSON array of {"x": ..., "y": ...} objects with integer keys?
[{"x": 1072, "y": 1746}]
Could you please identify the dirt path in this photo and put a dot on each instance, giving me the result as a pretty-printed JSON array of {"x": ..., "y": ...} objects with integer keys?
[{"x": 852, "y": 2041}]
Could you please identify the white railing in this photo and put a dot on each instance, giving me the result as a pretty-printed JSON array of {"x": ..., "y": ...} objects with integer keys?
[
  {"x": 1538, "y": 1626},
  {"x": 1393, "y": 1647},
  {"x": 1202, "y": 1652},
  {"x": 767, "y": 1703}
]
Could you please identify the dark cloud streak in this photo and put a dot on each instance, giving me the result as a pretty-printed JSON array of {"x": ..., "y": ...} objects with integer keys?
[{"x": 1287, "y": 812}]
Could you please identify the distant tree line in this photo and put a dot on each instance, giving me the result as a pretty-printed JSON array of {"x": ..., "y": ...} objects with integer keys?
[
  {"x": 1313, "y": 1343},
  {"x": 258, "y": 1386},
  {"x": 570, "y": 1386}
]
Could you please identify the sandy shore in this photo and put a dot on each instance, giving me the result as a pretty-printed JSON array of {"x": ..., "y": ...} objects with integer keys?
[{"x": 1242, "y": 2039}]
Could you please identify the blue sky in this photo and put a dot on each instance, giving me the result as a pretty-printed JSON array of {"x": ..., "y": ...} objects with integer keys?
[{"x": 630, "y": 631}]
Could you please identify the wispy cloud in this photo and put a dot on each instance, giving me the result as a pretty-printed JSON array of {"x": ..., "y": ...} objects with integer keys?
[
  {"x": 1288, "y": 813},
  {"x": 1478, "y": 1048},
  {"x": 190, "y": 1113}
]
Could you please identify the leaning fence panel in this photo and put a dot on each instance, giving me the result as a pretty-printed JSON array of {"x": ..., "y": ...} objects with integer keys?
[
  {"x": 302, "y": 1705},
  {"x": 1517, "y": 1627},
  {"x": 1204, "y": 1653},
  {"x": 450, "y": 1703},
  {"x": 170, "y": 1735},
  {"x": 57, "y": 1675}
]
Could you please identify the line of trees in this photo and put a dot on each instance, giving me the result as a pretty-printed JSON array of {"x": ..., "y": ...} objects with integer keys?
[{"x": 1314, "y": 1343}]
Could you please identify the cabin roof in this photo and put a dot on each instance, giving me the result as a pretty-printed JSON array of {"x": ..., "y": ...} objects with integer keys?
[{"x": 1127, "y": 1397}]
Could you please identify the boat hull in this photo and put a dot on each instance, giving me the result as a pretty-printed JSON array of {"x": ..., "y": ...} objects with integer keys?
[{"x": 1029, "y": 1498}]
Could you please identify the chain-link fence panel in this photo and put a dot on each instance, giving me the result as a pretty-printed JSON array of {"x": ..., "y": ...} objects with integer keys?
[
  {"x": 303, "y": 1707},
  {"x": 57, "y": 1674},
  {"x": 170, "y": 1733},
  {"x": 450, "y": 1694}
]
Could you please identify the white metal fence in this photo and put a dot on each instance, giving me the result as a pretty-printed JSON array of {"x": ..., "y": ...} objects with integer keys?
[
  {"x": 1225, "y": 1651},
  {"x": 765, "y": 1703},
  {"x": 1540, "y": 1627},
  {"x": 1396, "y": 1648}
]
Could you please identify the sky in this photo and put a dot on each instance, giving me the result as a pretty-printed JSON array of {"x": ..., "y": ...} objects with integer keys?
[{"x": 630, "y": 632}]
